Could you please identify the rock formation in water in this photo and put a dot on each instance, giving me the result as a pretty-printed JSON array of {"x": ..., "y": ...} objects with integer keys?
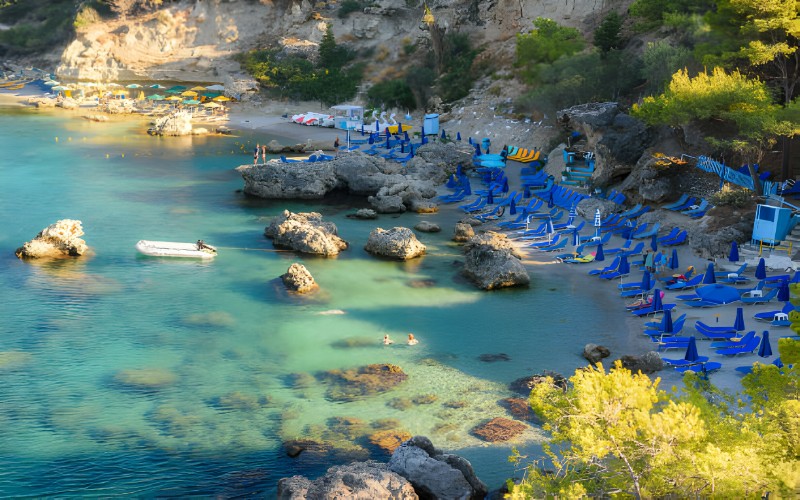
[
  {"x": 175, "y": 123},
  {"x": 61, "y": 239},
  {"x": 298, "y": 279},
  {"x": 416, "y": 470},
  {"x": 396, "y": 243},
  {"x": 305, "y": 232},
  {"x": 491, "y": 262}
]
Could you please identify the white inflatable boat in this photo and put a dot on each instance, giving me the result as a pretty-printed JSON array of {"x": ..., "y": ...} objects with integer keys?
[{"x": 176, "y": 249}]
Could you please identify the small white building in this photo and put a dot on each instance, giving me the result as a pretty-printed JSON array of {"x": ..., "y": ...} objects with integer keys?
[{"x": 348, "y": 116}]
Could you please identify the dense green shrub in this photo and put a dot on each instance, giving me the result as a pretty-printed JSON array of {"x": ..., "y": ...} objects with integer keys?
[
  {"x": 349, "y": 6},
  {"x": 733, "y": 197},
  {"x": 660, "y": 61},
  {"x": 456, "y": 80},
  {"x": 543, "y": 46},
  {"x": 36, "y": 25},
  {"x": 392, "y": 94},
  {"x": 607, "y": 36}
]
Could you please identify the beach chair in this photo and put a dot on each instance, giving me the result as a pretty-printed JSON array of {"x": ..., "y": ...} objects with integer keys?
[
  {"x": 625, "y": 246},
  {"x": 708, "y": 367},
  {"x": 678, "y": 240},
  {"x": 746, "y": 348},
  {"x": 676, "y": 204},
  {"x": 648, "y": 233},
  {"x": 734, "y": 342},
  {"x": 770, "y": 315},
  {"x": 694, "y": 209},
  {"x": 611, "y": 267},
  {"x": 760, "y": 299},
  {"x": 693, "y": 282},
  {"x": 634, "y": 251},
  {"x": 715, "y": 332}
]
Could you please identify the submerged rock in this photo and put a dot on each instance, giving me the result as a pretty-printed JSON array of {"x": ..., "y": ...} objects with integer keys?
[
  {"x": 298, "y": 279},
  {"x": 498, "y": 429},
  {"x": 359, "y": 480},
  {"x": 61, "y": 239},
  {"x": 396, "y": 243},
  {"x": 146, "y": 378},
  {"x": 427, "y": 227},
  {"x": 491, "y": 262},
  {"x": 352, "y": 384},
  {"x": 305, "y": 232},
  {"x": 389, "y": 440}
]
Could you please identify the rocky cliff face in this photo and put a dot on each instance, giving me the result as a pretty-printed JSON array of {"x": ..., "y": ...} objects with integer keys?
[{"x": 192, "y": 40}]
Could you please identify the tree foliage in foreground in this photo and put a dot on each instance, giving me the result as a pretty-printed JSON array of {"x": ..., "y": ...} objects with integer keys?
[
  {"x": 741, "y": 108},
  {"x": 617, "y": 433}
]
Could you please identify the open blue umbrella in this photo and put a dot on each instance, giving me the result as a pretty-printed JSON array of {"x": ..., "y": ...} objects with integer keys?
[
  {"x": 512, "y": 207},
  {"x": 691, "y": 351},
  {"x": 709, "y": 278},
  {"x": 783, "y": 292},
  {"x": 738, "y": 323},
  {"x": 673, "y": 260},
  {"x": 764, "y": 349},
  {"x": 598, "y": 255},
  {"x": 490, "y": 198},
  {"x": 666, "y": 323},
  {"x": 734, "y": 255},
  {"x": 654, "y": 242},
  {"x": 657, "y": 304},
  {"x": 761, "y": 269},
  {"x": 458, "y": 136}
]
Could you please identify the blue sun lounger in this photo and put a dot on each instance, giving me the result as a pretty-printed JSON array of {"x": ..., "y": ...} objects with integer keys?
[
  {"x": 676, "y": 204},
  {"x": 746, "y": 348},
  {"x": 734, "y": 341},
  {"x": 707, "y": 367}
]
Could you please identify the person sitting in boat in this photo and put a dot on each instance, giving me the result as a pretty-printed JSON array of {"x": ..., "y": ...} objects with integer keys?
[{"x": 201, "y": 245}]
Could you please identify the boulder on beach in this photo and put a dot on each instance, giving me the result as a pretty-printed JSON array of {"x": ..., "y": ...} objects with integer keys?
[
  {"x": 298, "y": 279},
  {"x": 492, "y": 262},
  {"x": 305, "y": 232},
  {"x": 61, "y": 239},
  {"x": 649, "y": 362},
  {"x": 396, "y": 243}
]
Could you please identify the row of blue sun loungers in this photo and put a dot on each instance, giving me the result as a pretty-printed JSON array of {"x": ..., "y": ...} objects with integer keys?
[{"x": 690, "y": 206}]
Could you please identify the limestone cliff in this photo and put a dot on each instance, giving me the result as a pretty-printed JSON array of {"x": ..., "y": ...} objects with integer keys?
[{"x": 192, "y": 40}]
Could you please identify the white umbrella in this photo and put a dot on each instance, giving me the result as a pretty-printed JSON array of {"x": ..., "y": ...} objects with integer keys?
[
  {"x": 157, "y": 86},
  {"x": 216, "y": 86},
  {"x": 133, "y": 86},
  {"x": 597, "y": 222},
  {"x": 51, "y": 83}
]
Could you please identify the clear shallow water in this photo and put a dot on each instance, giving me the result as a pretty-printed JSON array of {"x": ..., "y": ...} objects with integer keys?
[{"x": 225, "y": 339}]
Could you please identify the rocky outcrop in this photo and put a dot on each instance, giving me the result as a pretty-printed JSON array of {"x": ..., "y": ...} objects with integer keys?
[
  {"x": 616, "y": 139},
  {"x": 358, "y": 480},
  {"x": 435, "y": 474},
  {"x": 499, "y": 429},
  {"x": 524, "y": 385},
  {"x": 177, "y": 123},
  {"x": 491, "y": 262},
  {"x": 305, "y": 232},
  {"x": 61, "y": 239},
  {"x": 649, "y": 362},
  {"x": 298, "y": 279},
  {"x": 594, "y": 353},
  {"x": 463, "y": 232},
  {"x": 277, "y": 180},
  {"x": 587, "y": 208},
  {"x": 396, "y": 243},
  {"x": 366, "y": 214},
  {"x": 355, "y": 383},
  {"x": 427, "y": 227}
]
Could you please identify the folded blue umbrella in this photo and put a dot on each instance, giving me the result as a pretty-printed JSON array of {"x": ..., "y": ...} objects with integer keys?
[
  {"x": 459, "y": 170},
  {"x": 691, "y": 351},
  {"x": 443, "y": 134},
  {"x": 654, "y": 242},
  {"x": 668, "y": 326},
  {"x": 734, "y": 255},
  {"x": 598, "y": 256},
  {"x": 512, "y": 207},
  {"x": 709, "y": 278},
  {"x": 764, "y": 349},
  {"x": 657, "y": 305},
  {"x": 458, "y": 136},
  {"x": 673, "y": 260},
  {"x": 783, "y": 292},
  {"x": 489, "y": 198},
  {"x": 761, "y": 269},
  {"x": 738, "y": 323},
  {"x": 526, "y": 193}
]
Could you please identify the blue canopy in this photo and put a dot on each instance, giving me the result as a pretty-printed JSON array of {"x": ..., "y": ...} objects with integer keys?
[
  {"x": 734, "y": 255},
  {"x": 598, "y": 256}
]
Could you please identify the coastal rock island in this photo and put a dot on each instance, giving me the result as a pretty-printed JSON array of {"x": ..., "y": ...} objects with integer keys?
[
  {"x": 492, "y": 261},
  {"x": 396, "y": 243},
  {"x": 61, "y": 239},
  {"x": 306, "y": 233}
]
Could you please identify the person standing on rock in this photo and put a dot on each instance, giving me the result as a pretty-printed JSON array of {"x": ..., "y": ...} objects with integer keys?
[
  {"x": 264, "y": 154},
  {"x": 255, "y": 154}
]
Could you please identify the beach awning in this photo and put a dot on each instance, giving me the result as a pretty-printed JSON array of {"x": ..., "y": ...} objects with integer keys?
[
  {"x": 189, "y": 93},
  {"x": 222, "y": 98},
  {"x": 212, "y": 105},
  {"x": 119, "y": 92},
  {"x": 155, "y": 97},
  {"x": 60, "y": 88},
  {"x": 211, "y": 95},
  {"x": 191, "y": 102},
  {"x": 216, "y": 86},
  {"x": 198, "y": 88},
  {"x": 157, "y": 86},
  {"x": 51, "y": 83},
  {"x": 133, "y": 86},
  {"x": 173, "y": 98},
  {"x": 178, "y": 88}
]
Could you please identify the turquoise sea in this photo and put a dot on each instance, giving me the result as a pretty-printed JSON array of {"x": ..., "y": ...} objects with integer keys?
[{"x": 233, "y": 361}]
